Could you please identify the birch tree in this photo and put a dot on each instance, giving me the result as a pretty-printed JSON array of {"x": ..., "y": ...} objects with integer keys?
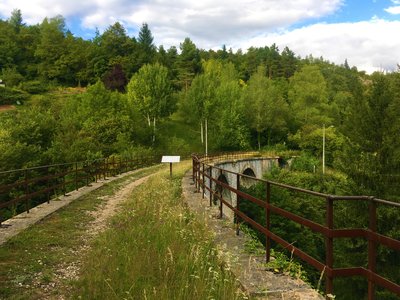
[{"x": 150, "y": 90}]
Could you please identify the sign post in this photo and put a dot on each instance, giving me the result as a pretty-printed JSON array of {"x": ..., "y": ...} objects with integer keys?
[{"x": 170, "y": 160}]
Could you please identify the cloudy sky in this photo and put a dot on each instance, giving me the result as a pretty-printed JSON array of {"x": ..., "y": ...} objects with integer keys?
[{"x": 366, "y": 32}]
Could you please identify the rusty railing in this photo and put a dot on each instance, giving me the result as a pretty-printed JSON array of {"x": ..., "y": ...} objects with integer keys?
[
  {"x": 40, "y": 184},
  {"x": 203, "y": 173}
]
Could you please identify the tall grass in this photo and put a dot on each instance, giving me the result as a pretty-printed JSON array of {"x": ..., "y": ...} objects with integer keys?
[{"x": 156, "y": 249}]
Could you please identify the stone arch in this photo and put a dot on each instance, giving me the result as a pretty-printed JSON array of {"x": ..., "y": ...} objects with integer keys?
[
  {"x": 245, "y": 181},
  {"x": 222, "y": 191}
]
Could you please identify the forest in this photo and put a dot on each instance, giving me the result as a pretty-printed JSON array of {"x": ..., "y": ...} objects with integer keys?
[{"x": 115, "y": 95}]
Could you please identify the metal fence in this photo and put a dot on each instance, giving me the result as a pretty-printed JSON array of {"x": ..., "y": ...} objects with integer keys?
[
  {"x": 202, "y": 174},
  {"x": 23, "y": 189}
]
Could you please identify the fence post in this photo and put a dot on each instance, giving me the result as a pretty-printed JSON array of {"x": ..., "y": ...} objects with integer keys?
[
  {"x": 211, "y": 188},
  {"x": 203, "y": 184},
  {"x": 329, "y": 245},
  {"x": 47, "y": 185},
  {"x": 372, "y": 247},
  {"x": 193, "y": 162},
  {"x": 76, "y": 176},
  {"x": 220, "y": 201},
  {"x": 198, "y": 177},
  {"x": 267, "y": 222},
  {"x": 26, "y": 190},
  {"x": 104, "y": 168},
  {"x": 63, "y": 183},
  {"x": 237, "y": 203}
]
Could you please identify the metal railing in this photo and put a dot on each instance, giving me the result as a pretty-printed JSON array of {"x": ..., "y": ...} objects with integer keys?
[
  {"x": 203, "y": 174},
  {"x": 20, "y": 188}
]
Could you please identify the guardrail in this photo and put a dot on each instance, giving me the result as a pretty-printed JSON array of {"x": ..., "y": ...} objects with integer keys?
[
  {"x": 39, "y": 184},
  {"x": 202, "y": 173}
]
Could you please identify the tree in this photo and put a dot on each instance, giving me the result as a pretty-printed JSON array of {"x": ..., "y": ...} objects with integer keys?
[
  {"x": 150, "y": 90},
  {"x": 146, "y": 46},
  {"x": 188, "y": 63},
  {"x": 51, "y": 47},
  {"x": 266, "y": 108},
  {"x": 308, "y": 97},
  {"x": 371, "y": 151},
  {"x": 115, "y": 79},
  {"x": 16, "y": 20}
]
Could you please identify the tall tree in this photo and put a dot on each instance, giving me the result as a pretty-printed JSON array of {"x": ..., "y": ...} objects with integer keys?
[
  {"x": 150, "y": 90},
  {"x": 188, "y": 63},
  {"x": 51, "y": 47},
  {"x": 308, "y": 97},
  {"x": 146, "y": 44},
  {"x": 16, "y": 20},
  {"x": 266, "y": 108}
]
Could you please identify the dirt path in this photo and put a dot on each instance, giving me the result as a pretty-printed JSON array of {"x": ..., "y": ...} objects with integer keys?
[
  {"x": 67, "y": 272},
  {"x": 110, "y": 208}
]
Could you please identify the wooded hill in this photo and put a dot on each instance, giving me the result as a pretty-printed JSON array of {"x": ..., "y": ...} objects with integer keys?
[{"x": 137, "y": 94}]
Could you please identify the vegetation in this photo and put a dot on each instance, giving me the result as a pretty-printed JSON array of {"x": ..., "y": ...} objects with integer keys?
[
  {"x": 38, "y": 256},
  {"x": 348, "y": 252},
  {"x": 164, "y": 252},
  {"x": 117, "y": 95}
]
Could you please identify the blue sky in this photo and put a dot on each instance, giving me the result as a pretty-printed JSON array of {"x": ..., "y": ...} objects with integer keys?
[{"x": 363, "y": 32}]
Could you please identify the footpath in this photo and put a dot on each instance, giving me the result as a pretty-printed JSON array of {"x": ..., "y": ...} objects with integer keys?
[
  {"x": 249, "y": 269},
  {"x": 18, "y": 223}
]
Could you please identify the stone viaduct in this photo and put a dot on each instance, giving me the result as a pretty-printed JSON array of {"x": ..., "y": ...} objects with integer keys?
[{"x": 251, "y": 166}]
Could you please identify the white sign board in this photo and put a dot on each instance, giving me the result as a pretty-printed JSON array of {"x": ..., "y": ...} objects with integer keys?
[{"x": 170, "y": 159}]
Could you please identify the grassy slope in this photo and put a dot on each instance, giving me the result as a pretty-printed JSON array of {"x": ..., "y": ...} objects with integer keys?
[{"x": 154, "y": 249}]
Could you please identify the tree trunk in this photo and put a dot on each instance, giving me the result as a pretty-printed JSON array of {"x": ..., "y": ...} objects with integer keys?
[
  {"x": 154, "y": 129},
  {"x": 148, "y": 120},
  {"x": 201, "y": 132},
  {"x": 259, "y": 140},
  {"x": 206, "y": 138}
]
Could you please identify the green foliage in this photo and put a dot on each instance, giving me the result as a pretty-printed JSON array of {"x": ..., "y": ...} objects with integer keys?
[
  {"x": 265, "y": 107},
  {"x": 280, "y": 263},
  {"x": 34, "y": 87},
  {"x": 305, "y": 163},
  {"x": 12, "y": 96}
]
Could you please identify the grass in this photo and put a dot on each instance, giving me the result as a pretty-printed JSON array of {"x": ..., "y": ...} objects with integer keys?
[
  {"x": 30, "y": 260},
  {"x": 156, "y": 249}
]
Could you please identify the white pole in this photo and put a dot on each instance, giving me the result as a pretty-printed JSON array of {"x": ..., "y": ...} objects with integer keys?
[{"x": 323, "y": 150}]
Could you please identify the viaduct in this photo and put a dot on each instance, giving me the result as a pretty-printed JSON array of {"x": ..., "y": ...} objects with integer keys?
[{"x": 250, "y": 166}]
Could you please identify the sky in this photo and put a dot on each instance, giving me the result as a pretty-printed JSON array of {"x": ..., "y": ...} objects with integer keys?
[{"x": 365, "y": 32}]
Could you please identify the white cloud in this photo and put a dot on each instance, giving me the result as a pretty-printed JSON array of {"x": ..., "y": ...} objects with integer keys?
[
  {"x": 369, "y": 45},
  {"x": 394, "y": 10}
]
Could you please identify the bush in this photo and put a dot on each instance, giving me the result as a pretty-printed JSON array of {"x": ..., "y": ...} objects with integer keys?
[
  {"x": 12, "y": 96},
  {"x": 305, "y": 163},
  {"x": 34, "y": 87}
]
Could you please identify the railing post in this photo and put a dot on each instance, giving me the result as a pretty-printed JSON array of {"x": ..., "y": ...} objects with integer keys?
[
  {"x": 198, "y": 177},
  {"x": 203, "y": 183},
  {"x": 76, "y": 176},
  {"x": 193, "y": 164},
  {"x": 211, "y": 188},
  {"x": 329, "y": 246},
  {"x": 63, "y": 182},
  {"x": 372, "y": 247},
  {"x": 26, "y": 190},
  {"x": 237, "y": 203},
  {"x": 267, "y": 222},
  {"x": 105, "y": 168},
  {"x": 47, "y": 185},
  {"x": 220, "y": 201}
]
